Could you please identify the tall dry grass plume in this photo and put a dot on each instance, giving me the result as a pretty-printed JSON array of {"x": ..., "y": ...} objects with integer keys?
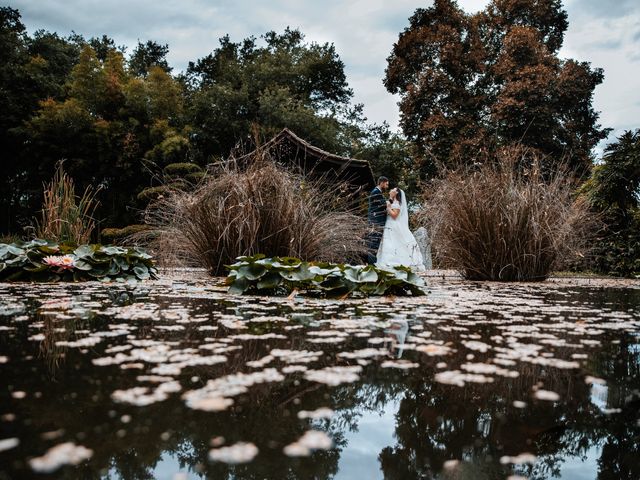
[
  {"x": 66, "y": 217},
  {"x": 259, "y": 208},
  {"x": 504, "y": 220}
]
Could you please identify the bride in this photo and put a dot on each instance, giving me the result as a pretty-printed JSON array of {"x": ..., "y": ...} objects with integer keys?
[{"x": 398, "y": 246}]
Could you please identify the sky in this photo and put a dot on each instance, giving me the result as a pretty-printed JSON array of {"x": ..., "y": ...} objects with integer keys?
[{"x": 603, "y": 32}]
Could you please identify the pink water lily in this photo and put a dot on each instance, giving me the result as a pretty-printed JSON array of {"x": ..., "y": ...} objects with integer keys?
[{"x": 63, "y": 262}]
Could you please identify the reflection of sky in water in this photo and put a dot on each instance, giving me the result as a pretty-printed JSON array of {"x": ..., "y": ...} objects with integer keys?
[
  {"x": 375, "y": 431},
  {"x": 577, "y": 468},
  {"x": 168, "y": 468}
]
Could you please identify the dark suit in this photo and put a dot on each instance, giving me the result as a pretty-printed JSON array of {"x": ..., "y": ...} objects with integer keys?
[{"x": 377, "y": 218}]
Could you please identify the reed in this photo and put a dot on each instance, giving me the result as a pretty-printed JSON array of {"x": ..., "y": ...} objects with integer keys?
[
  {"x": 260, "y": 208},
  {"x": 66, "y": 217},
  {"x": 506, "y": 221}
]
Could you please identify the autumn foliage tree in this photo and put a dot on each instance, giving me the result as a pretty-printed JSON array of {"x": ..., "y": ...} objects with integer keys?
[{"x": 470, "y": 83}]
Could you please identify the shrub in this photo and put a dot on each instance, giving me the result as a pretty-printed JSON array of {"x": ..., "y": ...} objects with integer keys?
[
  {"x": 195, "y": 177},
  {"x": 181, "y": 168},
  {"x": 504, "y": 221},
  {"x": 262, "y": 208},
  {"x": 152, "y": 193},
  {"x": 66, "y": 217},
  {"x": 613, "y": 191},
  {"x": 283, "y": 275}
]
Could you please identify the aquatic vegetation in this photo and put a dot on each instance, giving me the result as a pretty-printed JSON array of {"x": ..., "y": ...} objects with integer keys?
[
  {"x": 285, "y": 275},
  {"x": 8, "y": 443},
  {"x": 41, "y": 260}
]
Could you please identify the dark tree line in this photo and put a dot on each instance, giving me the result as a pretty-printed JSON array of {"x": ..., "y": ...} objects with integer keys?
[{"x": 118, "y": 120}]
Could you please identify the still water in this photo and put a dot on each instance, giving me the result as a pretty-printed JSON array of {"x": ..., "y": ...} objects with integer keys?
[{"x": 177, "y": 380}]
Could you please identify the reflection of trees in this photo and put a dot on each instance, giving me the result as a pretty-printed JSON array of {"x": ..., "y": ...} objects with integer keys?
[
  {"x": 621, "y": 449},
  {"x": 436, "y": 422}
]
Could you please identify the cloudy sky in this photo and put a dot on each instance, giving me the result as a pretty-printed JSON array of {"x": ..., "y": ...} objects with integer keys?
[{"x": 604, "y": 32}]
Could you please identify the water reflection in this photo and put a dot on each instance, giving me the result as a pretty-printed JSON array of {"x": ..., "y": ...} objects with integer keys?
[{"x": 67, "y": 349}]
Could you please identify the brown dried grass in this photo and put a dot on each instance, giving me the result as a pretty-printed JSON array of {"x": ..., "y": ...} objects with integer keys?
[
  {"x": 506, "y": 222},
  {"x": 263, "y": 208}
]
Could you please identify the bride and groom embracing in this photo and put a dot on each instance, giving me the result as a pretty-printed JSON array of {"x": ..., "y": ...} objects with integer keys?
[{"x": 390, "y": 243}]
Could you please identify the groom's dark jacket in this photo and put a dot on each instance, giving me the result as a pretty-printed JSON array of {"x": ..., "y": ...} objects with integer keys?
[{"x": 377, "y": 208}]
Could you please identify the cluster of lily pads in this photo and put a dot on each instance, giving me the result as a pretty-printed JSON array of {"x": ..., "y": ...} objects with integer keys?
[
  {"x": 43, "y": 261},
  {"x": 283, "y": 275}
]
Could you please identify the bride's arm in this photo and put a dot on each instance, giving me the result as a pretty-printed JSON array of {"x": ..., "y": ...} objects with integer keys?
[{"x": 393, "y": 212}]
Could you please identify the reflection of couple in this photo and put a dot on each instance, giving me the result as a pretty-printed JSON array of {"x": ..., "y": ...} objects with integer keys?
[
  {"x": 390, "y": 242},
  {"x": 396, "y": 336}
]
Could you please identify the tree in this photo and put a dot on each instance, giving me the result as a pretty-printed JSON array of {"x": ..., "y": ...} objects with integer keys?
[
  {"x": 121, "y": 123},
  {"x": 31, "y": 69},
  {"x": 284, "y": 83},
  {"x": 102, "y": 46},
  {"x": 472, "y": 83},
  {"x": 390, "y": 155},
  {"x": 614, "y": 191},
  {"x": 115, "y": 130},
  {"x": 148, "y": 55}
]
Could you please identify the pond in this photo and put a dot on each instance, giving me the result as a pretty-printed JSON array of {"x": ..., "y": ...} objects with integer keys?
[{"x": 175, "y": 379}]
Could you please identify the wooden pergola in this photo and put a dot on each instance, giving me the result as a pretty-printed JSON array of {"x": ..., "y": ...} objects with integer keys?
[{"x": 290, "y": 150}]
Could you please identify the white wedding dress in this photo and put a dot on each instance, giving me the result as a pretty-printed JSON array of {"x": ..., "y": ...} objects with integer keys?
[{"x": 399, "y": 246}]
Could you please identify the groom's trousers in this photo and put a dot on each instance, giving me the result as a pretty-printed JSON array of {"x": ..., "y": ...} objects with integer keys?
[{"x": 373, "y": 243}]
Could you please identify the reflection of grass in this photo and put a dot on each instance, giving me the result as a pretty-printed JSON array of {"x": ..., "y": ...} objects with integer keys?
[
  {"x": 49, "y": 349},
  {"x": 57, "y": 330}
]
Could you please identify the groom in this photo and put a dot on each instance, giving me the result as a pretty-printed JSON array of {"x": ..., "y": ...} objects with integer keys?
[{"x": 377, "y": 218}]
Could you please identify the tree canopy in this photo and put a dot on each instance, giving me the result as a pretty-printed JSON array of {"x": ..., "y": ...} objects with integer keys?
[
  {"x": 118, "y": 119},
  {"x": 470, "y": 83}
]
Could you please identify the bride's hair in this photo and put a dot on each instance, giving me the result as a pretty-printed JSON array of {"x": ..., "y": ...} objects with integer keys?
[{"x": 399, "y": 195}]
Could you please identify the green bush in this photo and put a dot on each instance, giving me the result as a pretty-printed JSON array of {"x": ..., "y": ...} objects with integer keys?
[
  {"x": 181, "y": 168},
  {"x": 283, "y": 275},
  {"x": 614, "y": 193},
  {"x": 153, "y": 193},
  {"x": 43, "y": 261}
]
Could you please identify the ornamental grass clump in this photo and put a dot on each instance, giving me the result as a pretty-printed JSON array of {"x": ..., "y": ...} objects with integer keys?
[
  {"x": 506, "y": 221},
  {"x": 66, "y": 217},
  {"x": 260, "y": 208}
]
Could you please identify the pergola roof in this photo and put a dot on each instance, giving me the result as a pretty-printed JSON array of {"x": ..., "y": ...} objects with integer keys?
[{"x": 287, "y": 147}]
